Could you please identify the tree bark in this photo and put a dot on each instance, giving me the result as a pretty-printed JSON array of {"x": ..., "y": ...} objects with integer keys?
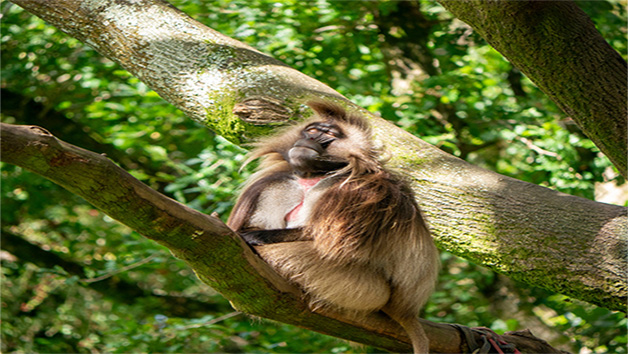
[
  {"x": 218, "y": 255},
  {"x": 548, "y": 239},
  {"x": 556, "y": 45}
]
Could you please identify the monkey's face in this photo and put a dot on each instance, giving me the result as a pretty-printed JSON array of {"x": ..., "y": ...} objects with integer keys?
[{"x": 310, "y": 154}]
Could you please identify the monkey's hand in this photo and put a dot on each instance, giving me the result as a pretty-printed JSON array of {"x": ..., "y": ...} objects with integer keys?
[{"x": 265, "y": 237}]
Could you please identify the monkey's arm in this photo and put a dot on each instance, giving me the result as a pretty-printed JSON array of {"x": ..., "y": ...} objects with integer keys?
[
  {"x": 248, "y": 202},
  {"x": 264, "y": 237}
]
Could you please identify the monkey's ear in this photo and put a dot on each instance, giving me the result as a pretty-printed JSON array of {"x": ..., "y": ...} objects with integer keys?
[{"x": 326, "y": 109}]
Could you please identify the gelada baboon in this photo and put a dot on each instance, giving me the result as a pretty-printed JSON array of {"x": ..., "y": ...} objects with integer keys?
[{"x": 326, "y": 214}]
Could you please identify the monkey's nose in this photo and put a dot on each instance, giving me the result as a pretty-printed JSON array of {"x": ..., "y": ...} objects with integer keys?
[{"x": 300, "y": 154}]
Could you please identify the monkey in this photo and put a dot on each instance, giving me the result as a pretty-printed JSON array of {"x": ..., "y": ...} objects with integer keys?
[{"x": 325, "y": 213}]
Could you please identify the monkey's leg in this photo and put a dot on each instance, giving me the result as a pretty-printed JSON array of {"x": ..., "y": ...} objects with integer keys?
[
  {"x": 414, "y": 329},
  {"x": 327, "y": 282},
  {"x": 265, "y": 237}
]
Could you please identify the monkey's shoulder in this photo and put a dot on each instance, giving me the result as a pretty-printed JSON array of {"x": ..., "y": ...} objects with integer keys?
[
  {"x": 380, "y": 185},
  {"x": 384, "y": 197},
  {"x": 263, "y": 187}
]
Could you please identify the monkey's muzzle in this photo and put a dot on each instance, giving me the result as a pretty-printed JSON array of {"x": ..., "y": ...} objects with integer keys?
[
  {"x": 304, "y": 151},
  {"x": 307, "y": 156},
  {"x": 302, "y": 154}
]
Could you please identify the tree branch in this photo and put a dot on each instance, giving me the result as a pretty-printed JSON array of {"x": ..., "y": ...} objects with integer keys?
[
  {"x": 556, "y": 45},
  {"x": 219, "y": 256},
  {"x": 559, "y": 242}
]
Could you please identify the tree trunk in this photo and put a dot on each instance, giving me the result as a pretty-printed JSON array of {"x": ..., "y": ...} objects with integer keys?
[{"x": 556, "y": 45}]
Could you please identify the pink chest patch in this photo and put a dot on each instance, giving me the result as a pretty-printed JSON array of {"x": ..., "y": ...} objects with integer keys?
[{"x": 306, "y": 185}]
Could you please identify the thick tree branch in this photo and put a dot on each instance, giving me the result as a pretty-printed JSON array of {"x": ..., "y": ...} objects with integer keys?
[
  {"x": 219, "y": 257},
  {"x": 533, "y": 234},
  {"x": 557, "y": 46}
]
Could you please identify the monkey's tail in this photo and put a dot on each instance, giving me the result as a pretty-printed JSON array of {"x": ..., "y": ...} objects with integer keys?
[{"x": 414, "y": 329}]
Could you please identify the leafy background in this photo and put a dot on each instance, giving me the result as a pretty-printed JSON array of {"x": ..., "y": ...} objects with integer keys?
[{"x": 76, "y": 281}]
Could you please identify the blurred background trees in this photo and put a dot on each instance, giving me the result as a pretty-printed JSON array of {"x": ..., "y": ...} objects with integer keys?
[{"x": 74, "y": 280}]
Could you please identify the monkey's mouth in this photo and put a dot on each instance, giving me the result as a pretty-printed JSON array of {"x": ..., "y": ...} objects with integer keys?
[{"x": 307, "y": 160}]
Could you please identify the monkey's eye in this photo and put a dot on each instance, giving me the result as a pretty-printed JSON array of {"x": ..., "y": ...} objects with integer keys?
[
  {"x": 324, "y": 132},
  {"x": 312, "y": 130},
  {"x": 331, "y": 133}
]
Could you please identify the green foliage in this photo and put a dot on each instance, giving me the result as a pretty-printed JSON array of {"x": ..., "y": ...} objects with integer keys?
[{"x": 475, "y": 106}]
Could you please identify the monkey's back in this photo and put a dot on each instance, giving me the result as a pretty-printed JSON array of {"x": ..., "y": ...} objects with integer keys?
[{"x": 373, "y": 220}]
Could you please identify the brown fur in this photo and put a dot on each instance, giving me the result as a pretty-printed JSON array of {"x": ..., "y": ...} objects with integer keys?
[{"x": 364, "y": 247}]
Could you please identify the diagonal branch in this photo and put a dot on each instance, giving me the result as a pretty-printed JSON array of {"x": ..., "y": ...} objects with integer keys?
[{"x": 219, "y": 257}]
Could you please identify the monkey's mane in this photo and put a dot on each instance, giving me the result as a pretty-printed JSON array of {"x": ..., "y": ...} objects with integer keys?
[{"x": 384, "y": 199}]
